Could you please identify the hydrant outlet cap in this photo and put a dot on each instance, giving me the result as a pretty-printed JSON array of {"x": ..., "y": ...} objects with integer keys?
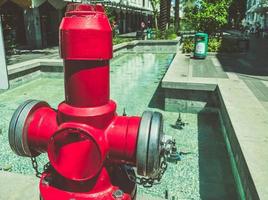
[
  {"x": 148, "y": 146},
  {"x": 17, "y": 135}
]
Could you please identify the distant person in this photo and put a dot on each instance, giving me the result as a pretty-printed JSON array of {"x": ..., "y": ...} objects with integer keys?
[
  {"x": 143, "y": 27},
  {"x": 116, "y": 28}
]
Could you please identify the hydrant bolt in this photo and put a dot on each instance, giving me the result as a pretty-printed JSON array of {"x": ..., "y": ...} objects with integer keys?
[{"x": 118, "y": 194}]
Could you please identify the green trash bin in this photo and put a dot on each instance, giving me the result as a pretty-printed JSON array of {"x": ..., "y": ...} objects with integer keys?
[{"x": 201, "y": 45}]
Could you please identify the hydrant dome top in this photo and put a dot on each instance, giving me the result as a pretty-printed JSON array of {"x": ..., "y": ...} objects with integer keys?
[{"x": 85, "y": 33}]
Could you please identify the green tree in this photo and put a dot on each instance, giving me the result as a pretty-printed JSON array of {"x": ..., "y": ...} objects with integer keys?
[
  {"x": 209, "y": 16},
  {"x": 155, "y": 5}
]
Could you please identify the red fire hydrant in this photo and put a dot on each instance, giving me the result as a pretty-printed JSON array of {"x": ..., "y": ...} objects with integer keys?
[{"x": 89, "y": 146}]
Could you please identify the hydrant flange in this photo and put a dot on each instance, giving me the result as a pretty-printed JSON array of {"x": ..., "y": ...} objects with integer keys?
[
  {"x": 18, "y": 137},
  {"x": 149, "y": 143}
]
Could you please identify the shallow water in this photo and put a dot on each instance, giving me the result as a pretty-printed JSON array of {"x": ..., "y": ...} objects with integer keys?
[{"x": 204, "y": 171}]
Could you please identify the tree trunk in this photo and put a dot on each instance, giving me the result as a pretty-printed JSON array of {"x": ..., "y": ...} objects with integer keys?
[
  {"x": 155, "y": 14},
  {"x": 168, "y": 12},
  {"x": 156, "y": 22},
  {"x": 177, "y": 16},
  {"x": 163, "y": 16}
]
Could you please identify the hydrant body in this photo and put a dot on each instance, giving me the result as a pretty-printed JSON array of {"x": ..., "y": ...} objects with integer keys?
[{"x": 87, "y": 143}]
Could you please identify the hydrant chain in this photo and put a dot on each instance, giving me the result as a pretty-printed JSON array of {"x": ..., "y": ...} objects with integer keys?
[
  {"x": 35, "y": 167},
  {"x": 147, "y": 182}
]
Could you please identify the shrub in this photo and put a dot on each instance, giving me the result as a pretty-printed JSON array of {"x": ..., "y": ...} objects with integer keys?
[
  {"x": 214, "y": 44},
  {"x": 118, "y": 40},
  {"x": 172, "y": 36},
  {"x": 169, "y": 34},
  {"x": 188, "y": 45}
]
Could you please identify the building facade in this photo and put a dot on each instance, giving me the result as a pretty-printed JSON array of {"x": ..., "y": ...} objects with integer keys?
[
  {"x": 34, "y": 23},
  {"x": 257, "y": 13}
]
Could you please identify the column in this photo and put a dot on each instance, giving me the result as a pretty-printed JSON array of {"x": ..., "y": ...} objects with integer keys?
[{"x": 33, "y": 28}]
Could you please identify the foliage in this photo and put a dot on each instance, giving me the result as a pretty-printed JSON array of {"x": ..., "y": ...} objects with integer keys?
[
  {"x": 208, "y": 15},
  {"x": 172, "y": 36},
  {"x": 168, "y": 34},
  {"x": 188, "y": 45},
  {"x": 110, "y": 15},
  {"x": 215, "y": 44},
  {"x": 118, "y": 40}
]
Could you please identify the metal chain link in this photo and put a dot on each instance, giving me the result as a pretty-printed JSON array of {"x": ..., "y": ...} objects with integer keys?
[
  {"x": 35, "y": 167},
  {"x": 144, "y": 181}
]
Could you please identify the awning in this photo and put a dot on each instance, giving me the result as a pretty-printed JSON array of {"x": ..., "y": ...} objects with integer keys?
[
  {"x": 58, "y": 4},
  {"x": 2, "y": 2},
  {"x": 37, "y": 3},
  {"x": 21, "y": 3},
  {"x": 121, "y": 6}
]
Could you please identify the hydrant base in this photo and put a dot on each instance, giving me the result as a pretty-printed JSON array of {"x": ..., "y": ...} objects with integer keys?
[{"x": 53, "y": 187}]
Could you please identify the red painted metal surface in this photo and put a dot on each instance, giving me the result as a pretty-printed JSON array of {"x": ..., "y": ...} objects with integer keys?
[
  {"x": 85, "y": 140},
  {"x": 97, "y": 189},
  {"x": 85, "y": 34},
  {"x": 41, "y": 125},
  {"x": 86, "y": 83}
]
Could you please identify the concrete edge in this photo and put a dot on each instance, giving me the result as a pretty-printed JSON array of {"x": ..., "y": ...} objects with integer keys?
[
  {"x": 35, "y": 64},
  {"x": 244, "y": 174},
  {"x": 145, "y": 42},
  {"x": 235, "y": 98}
]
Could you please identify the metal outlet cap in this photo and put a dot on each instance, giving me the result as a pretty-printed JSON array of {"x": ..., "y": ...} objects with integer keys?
[
  {"x": 148, "y": 145},
  {"x": 154, "y": 146},
  {"x": 17, "y": 136}
]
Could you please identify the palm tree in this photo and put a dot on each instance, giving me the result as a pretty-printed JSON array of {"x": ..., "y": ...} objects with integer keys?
[
  {"x": 163, "y": 16},
  {"x": 177, "y": 16},
  {"x": 168, "y": 12}
]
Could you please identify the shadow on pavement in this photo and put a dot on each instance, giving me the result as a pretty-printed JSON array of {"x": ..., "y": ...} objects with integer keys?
[{"x": 252, "y": 62}]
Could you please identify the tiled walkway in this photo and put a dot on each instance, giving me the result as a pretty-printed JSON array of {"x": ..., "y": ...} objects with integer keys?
[{"x": 251, "y": 67}]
